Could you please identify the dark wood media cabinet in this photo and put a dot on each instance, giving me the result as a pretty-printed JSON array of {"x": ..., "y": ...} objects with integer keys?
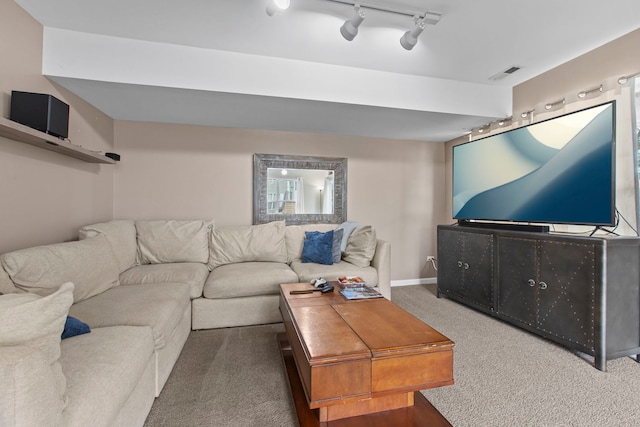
[{"x": 581, "y": 292}]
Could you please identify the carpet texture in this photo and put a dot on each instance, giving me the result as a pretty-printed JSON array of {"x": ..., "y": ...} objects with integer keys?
[
  {"x": 227, "y": 377},
  {"x": 504, "y": 377}
]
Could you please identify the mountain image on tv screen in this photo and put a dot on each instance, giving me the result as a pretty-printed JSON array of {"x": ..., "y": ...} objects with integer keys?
[{"x": 557, "y": 171}]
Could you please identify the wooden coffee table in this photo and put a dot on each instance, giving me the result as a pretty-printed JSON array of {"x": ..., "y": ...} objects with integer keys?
[{"x": 361, "y": 358}]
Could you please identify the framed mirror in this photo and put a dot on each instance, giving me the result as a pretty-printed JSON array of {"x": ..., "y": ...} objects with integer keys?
[{"x": 299, "y": 189}]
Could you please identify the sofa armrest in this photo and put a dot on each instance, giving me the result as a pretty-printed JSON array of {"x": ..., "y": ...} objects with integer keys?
[{"x": 382, "y": 263}]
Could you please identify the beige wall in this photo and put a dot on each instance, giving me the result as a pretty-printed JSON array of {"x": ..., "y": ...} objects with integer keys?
[
  {"x": 177, "y": 171},
  {"x": 602, "y": 65},
  {"x": 46, "y": 196}
]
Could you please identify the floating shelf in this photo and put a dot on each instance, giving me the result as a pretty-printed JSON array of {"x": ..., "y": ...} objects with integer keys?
[{"x": 19, "y": 132}]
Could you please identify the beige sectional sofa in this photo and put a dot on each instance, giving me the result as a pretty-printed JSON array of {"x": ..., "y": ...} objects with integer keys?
[{"x": 141, "y": 286}]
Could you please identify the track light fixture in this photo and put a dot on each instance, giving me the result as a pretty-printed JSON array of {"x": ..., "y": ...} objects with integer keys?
[
  {"x": 276, "y": 6},
  {"x": 410, "y": 38},
  {"x": 624, "y": 79},
  {"x": 552, "y": 105},
  {"x": 590, "y": 92},
  {"x": 526, "y": 114},
  {"x": 504, "y": 122},
  {"x": 349, "y": 29}
]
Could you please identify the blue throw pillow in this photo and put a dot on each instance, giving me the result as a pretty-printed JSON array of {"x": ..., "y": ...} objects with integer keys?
[
  {"x": 318, "y": 247},
  {"x": 73, "y": 327},
  {"x": 337, "y": 241}
]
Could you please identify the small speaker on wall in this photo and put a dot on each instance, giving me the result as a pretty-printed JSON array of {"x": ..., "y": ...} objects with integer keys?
[{"x": 40, "y": 111}]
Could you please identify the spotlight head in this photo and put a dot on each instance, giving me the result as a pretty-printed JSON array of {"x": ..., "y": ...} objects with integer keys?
[
  {"x": 349, "y": 29},
  {"x": 554, "y": 105},
  {"x": 276, "y": 6},
  {"x": 623, "y": 80},
  {"x": 410, "y": 38}
]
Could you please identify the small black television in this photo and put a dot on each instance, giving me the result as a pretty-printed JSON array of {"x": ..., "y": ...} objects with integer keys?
[{"x": 557, "y": 171}]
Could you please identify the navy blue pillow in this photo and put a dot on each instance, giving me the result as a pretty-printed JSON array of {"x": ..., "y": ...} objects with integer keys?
[
  {"x": 73, "y": 327},
  {"x": 337, "y": 241},
  {"x": 318, "y": 247}
]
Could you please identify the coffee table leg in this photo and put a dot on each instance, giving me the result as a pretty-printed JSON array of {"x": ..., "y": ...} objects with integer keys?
[{"x": 366, "y": 406}]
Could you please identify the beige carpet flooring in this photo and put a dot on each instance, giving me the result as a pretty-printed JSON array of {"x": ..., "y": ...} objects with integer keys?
[{"x": 504, "y": 377}]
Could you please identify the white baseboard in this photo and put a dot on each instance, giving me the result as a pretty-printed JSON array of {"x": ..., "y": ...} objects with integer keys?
[{"x": 411, "y": 282}]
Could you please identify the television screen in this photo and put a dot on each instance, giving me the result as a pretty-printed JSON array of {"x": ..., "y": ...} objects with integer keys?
[{"x": 560, "y": 170}]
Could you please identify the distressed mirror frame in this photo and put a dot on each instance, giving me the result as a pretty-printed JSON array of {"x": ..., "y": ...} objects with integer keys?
[{"x": 262, "y": 162}]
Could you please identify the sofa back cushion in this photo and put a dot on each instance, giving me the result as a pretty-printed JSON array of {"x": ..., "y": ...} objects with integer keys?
[
  {"x": 121, "y": 235},
  {"x": 361, "y": 246},
  {"x": 6, "y": 285},
  {"x": 295, "y": 235},
  {"x": 347, "y": 227},
  {"x": 166, "y": 241},
  {"x": 248, "y": 243},
  {"x": 33, "y": 384},
  {"x": 90, "y": 264}
]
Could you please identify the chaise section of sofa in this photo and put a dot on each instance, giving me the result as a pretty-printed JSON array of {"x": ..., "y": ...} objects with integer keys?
[
  {"x": 163, "y": 307},
  {"x": 137, "y": 330},
  {"x": 162, "y": 268},
  {"x": 110, "y": 376}
]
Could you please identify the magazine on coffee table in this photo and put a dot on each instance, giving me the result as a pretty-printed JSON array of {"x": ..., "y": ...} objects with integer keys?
[{"x": 360, "y": 292}]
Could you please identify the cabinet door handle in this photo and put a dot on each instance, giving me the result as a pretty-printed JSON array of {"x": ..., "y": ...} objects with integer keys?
[
  {"x": 531, "y": 282},
  {"x": 466, "y": 266},
  {"x": 543, "y": 285}
]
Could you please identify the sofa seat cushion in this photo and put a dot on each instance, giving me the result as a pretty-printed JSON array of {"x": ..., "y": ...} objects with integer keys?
[
  {"x": 103, "y": 368},
  {"x": 158, "y": 305},
  {"x": 192, "y": 273},
  {"x": 308, "y": 271},
  {"x": 248, "y": 279}
]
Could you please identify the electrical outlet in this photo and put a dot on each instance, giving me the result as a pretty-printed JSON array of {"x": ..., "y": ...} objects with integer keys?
[{"x": 430, "y": 258}]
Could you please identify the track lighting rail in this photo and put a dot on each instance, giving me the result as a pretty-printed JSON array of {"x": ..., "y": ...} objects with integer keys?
[
  {"x": 349, "y": 29},
  {"x": 373, "y": 6}
]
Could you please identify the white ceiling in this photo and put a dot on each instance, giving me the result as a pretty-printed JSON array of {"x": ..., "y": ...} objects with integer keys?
[{"x": 473, "y": 41}]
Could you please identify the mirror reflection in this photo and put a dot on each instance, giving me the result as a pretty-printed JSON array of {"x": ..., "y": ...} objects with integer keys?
[{"x": 299, "y": 191}]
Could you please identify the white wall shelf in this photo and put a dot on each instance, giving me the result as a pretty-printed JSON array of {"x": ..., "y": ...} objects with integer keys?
[{"x": 22, "y": 133}]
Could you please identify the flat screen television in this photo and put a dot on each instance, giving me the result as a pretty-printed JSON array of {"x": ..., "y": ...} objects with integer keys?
[{"x": 558, "y": 171}]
